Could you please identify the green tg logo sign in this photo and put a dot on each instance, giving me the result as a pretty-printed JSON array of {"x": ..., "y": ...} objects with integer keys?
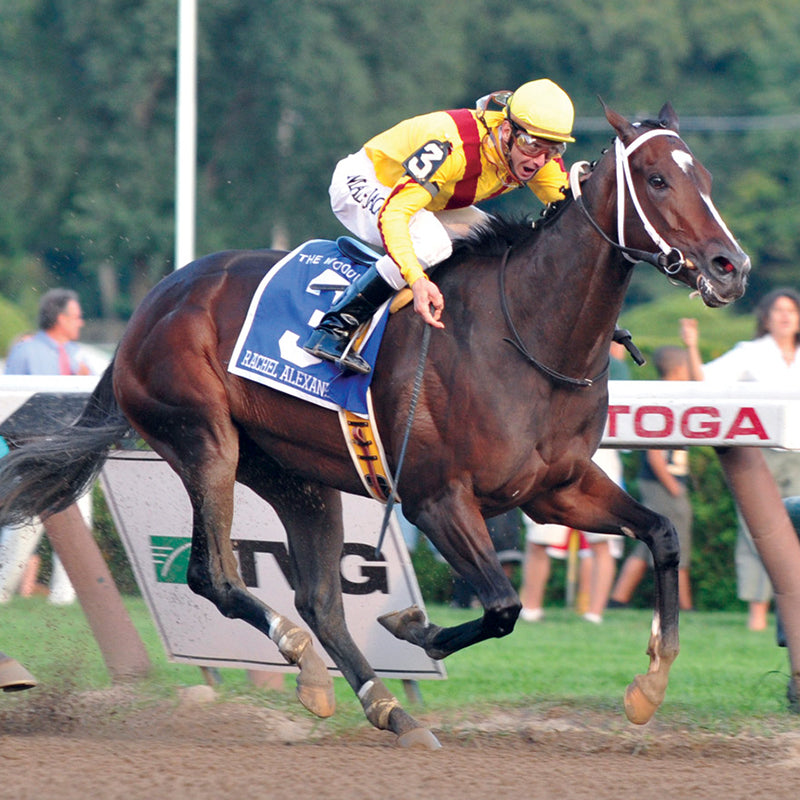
[
  {"x": 170, "y": 557},
  {"x": 367, "y": 574}
]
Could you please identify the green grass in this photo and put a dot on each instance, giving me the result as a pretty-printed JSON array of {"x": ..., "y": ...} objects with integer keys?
[{"x": 727, "y": 679}]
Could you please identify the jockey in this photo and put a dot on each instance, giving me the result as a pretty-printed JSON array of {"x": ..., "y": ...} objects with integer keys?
[{"x": 412, "y": 189}]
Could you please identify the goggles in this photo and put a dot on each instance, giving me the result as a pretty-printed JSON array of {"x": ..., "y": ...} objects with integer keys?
[{"x": 532, "y": 146}]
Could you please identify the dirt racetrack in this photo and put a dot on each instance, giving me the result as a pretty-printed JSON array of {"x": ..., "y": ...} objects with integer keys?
[{"x": 105, "y": 745}]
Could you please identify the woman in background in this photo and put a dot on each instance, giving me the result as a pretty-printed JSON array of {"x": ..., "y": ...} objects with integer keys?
[{"x": 771, "y": 357}]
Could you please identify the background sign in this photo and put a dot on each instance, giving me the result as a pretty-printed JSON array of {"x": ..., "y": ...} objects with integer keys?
[
  {"x": 678, "y": 413},
  {"x": 153, "y": 516}
]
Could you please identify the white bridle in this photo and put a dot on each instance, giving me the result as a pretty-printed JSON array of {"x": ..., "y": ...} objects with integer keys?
[{"x": 624, "y": 179}]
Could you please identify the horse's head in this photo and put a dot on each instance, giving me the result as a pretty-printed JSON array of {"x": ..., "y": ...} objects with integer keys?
[{"x": 666, "y": 201}]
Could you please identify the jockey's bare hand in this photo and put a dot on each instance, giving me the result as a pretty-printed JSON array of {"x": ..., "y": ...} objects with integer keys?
[{"x": 428, "y": 301}]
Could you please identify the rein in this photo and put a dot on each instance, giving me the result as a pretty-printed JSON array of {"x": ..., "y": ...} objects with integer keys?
[
  {"x": 558, "y": 377},
  {"x": 412, "y": 407}
]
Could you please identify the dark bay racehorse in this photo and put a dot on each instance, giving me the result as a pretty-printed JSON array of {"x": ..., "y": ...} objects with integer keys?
[{"x": 511, "y": 410}]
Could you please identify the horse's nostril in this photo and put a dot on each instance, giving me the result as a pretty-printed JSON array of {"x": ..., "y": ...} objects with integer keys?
[{"x": 723, "y": 265}]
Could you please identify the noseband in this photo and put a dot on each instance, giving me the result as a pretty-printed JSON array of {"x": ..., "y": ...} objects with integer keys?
[{"x": 670, "y": 259}]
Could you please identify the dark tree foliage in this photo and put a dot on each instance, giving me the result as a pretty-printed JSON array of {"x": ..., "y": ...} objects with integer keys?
[{"x": 287, "y": 88}]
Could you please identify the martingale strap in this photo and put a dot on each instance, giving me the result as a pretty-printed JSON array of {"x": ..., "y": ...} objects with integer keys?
[{"x": 366, "y": 451}]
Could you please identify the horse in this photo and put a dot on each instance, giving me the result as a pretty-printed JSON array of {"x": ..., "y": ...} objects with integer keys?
[{"x": 510, "y": 408}]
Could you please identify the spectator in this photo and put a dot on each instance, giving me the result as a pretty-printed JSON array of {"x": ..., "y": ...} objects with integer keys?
[
  {"x": 598, "y": 558},
  {"x": 771, "y": 357},
  {"x": 52, "y": 350},
  {"x": 536, "y": 566},
  {"x": 663, "y": 487}
]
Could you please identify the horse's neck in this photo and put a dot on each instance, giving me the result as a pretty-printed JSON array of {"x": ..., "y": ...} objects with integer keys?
[{"x": 579, "y": 280}]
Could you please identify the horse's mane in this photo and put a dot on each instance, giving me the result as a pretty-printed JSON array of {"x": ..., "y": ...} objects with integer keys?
[{"x": 500, "y": 232}]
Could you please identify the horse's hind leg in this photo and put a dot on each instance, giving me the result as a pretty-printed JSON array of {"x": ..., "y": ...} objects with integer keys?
[
  {"x": 206, "y": 457},
  {"x": 312, "y": 516},
  {"x": 169, "y": 385},
  {"x": 213, "y": 573}
]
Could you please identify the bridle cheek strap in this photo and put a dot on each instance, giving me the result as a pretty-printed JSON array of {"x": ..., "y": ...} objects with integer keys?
[
  {"x": 622, "y": 154},
  {"x": 670, "y": 259}
]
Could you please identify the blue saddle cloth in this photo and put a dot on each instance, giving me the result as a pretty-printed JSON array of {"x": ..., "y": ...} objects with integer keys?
[{"x": 283, "y": 312}]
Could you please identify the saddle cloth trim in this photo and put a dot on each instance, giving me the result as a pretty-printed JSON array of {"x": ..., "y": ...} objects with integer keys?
[{"x": 366, "y": 450}]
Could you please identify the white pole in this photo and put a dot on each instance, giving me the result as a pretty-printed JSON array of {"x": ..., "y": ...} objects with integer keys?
[{"x": 186, "y": 133}]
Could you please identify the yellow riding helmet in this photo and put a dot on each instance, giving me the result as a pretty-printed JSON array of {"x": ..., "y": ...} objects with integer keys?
[{"x": 543, "y": 109}]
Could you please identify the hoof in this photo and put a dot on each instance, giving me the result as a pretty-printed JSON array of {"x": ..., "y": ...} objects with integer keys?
[
  {"x": 419, "y": 738},
  {"x": 14, "y": 677},
  {"x": 319, "y": 700},
  {"x": 397, "y": 622},
  {"x": 638, "y": 707},
  {"x": 315, "y": 685}
]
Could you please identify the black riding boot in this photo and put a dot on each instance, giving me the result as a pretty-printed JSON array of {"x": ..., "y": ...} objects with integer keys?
[{"x": 358, "y": 303}]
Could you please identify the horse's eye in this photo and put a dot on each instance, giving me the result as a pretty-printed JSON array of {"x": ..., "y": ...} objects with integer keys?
[{"x": 657, "y": 182}]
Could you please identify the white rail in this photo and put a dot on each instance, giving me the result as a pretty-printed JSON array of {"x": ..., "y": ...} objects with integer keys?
[{"x": 642, "y": 414}]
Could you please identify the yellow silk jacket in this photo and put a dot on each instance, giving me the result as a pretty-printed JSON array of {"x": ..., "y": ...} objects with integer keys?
[{"x": 472, "y": 170}]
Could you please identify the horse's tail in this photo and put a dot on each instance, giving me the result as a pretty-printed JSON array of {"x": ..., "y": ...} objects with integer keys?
[{"x": 47, "y": 474}]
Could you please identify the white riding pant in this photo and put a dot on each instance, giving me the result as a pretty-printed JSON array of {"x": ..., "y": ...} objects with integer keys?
[{"x": 357, "y": 197}]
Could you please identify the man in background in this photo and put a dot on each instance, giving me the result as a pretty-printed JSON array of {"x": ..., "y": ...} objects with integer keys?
[{"x": 52, "y": 350}]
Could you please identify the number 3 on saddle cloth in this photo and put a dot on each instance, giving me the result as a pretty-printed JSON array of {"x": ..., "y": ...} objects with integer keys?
[{"x": 288, "y": 303}]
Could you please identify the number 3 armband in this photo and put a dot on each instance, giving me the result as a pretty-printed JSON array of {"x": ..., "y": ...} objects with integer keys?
[{"x": 423, "y": 164}]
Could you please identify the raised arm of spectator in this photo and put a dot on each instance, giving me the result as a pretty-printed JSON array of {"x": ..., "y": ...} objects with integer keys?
[{"x": 690, "y": 336}]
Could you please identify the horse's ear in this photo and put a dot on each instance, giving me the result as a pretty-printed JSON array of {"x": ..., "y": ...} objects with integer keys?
[
  {"x": 668, "y": 118},
  {"x": 624, "y": 129}
]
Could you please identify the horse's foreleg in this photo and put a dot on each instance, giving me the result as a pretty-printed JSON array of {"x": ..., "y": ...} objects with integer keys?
[
  {"x": 598, "y": 504},
  {"x": 412, "y": 626},
  {"x": 456, "y": 527},
  {"x": 646, "y": 693}
]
